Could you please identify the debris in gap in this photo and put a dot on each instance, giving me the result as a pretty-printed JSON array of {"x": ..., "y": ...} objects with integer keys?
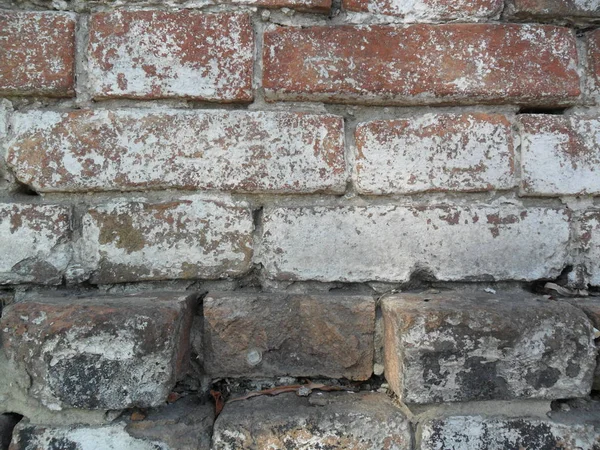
[
  {"x": 137, "y": 416},
  {"x": 173, "y": 397},
  {"x": 219, "y": 402},
  {"x": 302, "y": 390},
  {"x": 562, "y": 291}
]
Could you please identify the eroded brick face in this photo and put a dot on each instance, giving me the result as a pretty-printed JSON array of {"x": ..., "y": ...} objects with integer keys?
[
  {"x": 559, "y": 155},
  {"x": 140, "y": 149},
  {"x": 556, "y": 8},
  {"x": 420, "y": 64},
  {"x": 427, "y": 10},
  {"x": 445, "y": 152},
  {"x": 184, "y": 239},
  {"x": 593, "y": 54},
  {"x": 269, "y": 335},
  {"x": 37, "y": 54},
  {"x": 157, "y": 54}
]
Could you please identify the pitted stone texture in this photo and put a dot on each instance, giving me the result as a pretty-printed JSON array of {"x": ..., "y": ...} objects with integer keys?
[
  {"x": 435, "y": 152},
  {"x": 591, "y": 307},
  {"x": 593, "y": 62},
  {"x": 334, "y": 421},
  {"x": 103, "y": 352},
  {"x": 389, "y": 243},
  {"x": 590, "y": 239},
  {"x": 501, "y": 433},
  {"x": 429, "y": 10},
  {"x": 559, "y": 155},
  {"x": 158, "y": 54},
  {"x": 184, "y": 239},
  {"x": 461, "y": 346},
  {"x": 37, "y": 50},
  {"x": 99, "y": 150},
  {"x": 558, "y": 9},
  {"x": 34, "y": 243},
  {"x": 420, "y": 64},
  {"x": 266, "y": 335}
]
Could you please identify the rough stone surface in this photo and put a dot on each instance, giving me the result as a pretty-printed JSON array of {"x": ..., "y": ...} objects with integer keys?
[
  {"x": 501, "y": 433},
  {"x": 559, "y": 155},
  {"x": 184, "y": 239},
  {"x": 593, "y": 62},
  {"x": 102, "y": 352},
  {"x": 389, "y": 243},
  {"x": 266, "y": 335},
  {"x": 34, "y": 243},
  {"x": 158, "y": 54},
  {"x": 428, "y": 10},
  {"x": 365, "y": 421},
  {"x": 420, "y": 64},
  {"x": 590, "y": 239},
  {"x": 460, "y": 346},
  {"x": 556, "y": 8},
  {"x": 95, "y": 150},
  {"x": 37, "y": 50},
  {"x": 435, "y": 152}
]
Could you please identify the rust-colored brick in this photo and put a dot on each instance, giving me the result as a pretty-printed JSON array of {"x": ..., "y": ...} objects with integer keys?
[
  {"x": 429, "y": 9},
  {"x": 423, "y": 64},
  {"x": 157, "y": 54},
  {"x": 37, "y": 54},
  {"x": 556, "y": 8},
  {"x": 593, "y": 54}
]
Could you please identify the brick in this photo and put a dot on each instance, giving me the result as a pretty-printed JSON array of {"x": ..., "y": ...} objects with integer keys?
[
  {"x": 102, "y": 352},
  {"x": 388, "y": 243},
  {"x": 558, "y": 9},
  {"x": 420, "y": 64},
  {"x": 184, "y": 239},
  {"x": 184, "y": 425},
  {"x": 333, "y": 421},
  {"x": 593, "y": 62},
  {"x": 435, "y": 152},
  {"x": 34, "y": 242},
  {"x": 158, "y": 54},
  {"x": 590, "y": 240},
  {"x": 37, "y": 51},
  {"x": 429, "y": 10},
  {"x": 559, "y": 155},
  {"x": 269, "y": 335},
  {"x": 460, "y": 346},
  {"x": 479, "y": 432},
  {"x": 100, "y": 150}
]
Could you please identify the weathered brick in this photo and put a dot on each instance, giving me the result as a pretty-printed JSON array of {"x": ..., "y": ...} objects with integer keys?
[
  {"x": 558, "y": 9},
  {"x": 101, "y": 352},
  {"x": 34, "y": 243},
  {"x": 158, "y": 54},
  {"x": 421, "y": 64},
  {"x": 98, "y": 150},
  {"x": 266, "y": 335},
  {"x": 388, "y": 242},
  {"x": 184, "y": 239},
  {"x": 461, "y": 346},
  {"x": 590, "y": 238},
  {"x": 593, "y": 62},
  {"x": 333, "y": 421},
  {"x": 429, "y": 10},
  {"x": 435, "y": 152},
  {"x": 559, "y": 155},
  {"x": 480, "y": 432},
  {"x": 37, "y": 50},
  {"x": 299, "y": 5}
]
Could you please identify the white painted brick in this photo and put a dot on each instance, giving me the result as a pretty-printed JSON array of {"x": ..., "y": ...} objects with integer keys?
[{"x": 388, "y": 243}]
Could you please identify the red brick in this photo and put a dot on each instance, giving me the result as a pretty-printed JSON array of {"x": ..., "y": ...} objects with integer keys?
[
  {"x": 37, "y": 51},
  {"x": 244, "y": 151},
  {"x": 555, "y": 8},
  {"x": 435, "y": 152},
  {"x": 100, "y": 352},
  {"x": 184, "y": 239},
  {"x": 422, "y": 64},
  {"x": 593, "y": 55},
  {"x": 267, "y": 335},
  {"x": 559, "y": 155},
  {"x": 423, "y": 10},
  {"x": 157, "y": 54}
]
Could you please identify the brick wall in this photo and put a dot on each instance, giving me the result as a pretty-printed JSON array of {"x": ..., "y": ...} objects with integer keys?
[{"x": 365, "y": 195}]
